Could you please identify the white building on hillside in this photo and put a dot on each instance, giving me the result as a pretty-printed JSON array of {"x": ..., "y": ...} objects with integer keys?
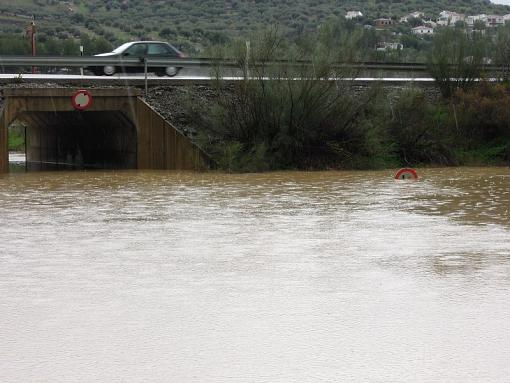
[
  {"x": 412, "y": 15},
  {"x": 471, "y": 20},
  {"x": 495, "y": 21},
  {"x": 385, "y": 46},
  {"x": 449, "y": 18},
  {"x": 383, "y": 23},
  {"x": 422, "y": 30},
  {"x": 491, "y": 21},
  {"x": 353, "y": 15},
  {"x": 429, "y": 23}
]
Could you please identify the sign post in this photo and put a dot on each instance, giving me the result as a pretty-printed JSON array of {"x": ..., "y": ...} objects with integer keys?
[{"x": 30, "y": 33}]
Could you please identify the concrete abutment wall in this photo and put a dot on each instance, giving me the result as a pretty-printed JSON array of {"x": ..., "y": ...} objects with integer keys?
[{"x": 119, "y": 131}]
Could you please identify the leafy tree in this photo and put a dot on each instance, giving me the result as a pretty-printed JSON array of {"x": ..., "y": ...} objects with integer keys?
[
  {"x": 479, "y": 25},
  {"x": 167, "y": 32},
  {"x": 421, "y": 134},
  {"x": 501, "y": 51},
  {"x": 455, "y": 60},
  {"x": 414, "y": 22},
  {"x": 70, "y": 48},
  {"x": 14, "y": 45},
  {"x": 77, "y": 18},
  {"x": 52, "y": 47},
  {"x": 411, "y": 41},
  {"x": 483, "y": 114},
  {"x": 460, "y": 24}
]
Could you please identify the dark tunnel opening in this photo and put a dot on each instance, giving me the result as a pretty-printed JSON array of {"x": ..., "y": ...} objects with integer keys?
[{"x": 79, "y": 140}]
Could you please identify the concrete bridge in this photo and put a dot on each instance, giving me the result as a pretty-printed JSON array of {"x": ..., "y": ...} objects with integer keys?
[{"x": 118, "y": 131}]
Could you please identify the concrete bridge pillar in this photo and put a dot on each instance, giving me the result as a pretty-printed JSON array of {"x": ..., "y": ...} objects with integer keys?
[{"x": 4, "y": 146}]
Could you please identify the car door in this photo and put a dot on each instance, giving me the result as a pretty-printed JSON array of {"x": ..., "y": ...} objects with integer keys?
[
  {"x": 159, "y": 50},
  {"x": 138, "y": 50}
]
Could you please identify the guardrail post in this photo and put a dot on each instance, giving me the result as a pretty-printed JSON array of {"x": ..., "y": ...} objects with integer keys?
[
  {"x": 145, "y": 72},
  {"x": 247, "y": 59}
]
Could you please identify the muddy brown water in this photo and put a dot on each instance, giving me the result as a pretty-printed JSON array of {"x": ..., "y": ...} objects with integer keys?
[{"x": 281, "y": 277}]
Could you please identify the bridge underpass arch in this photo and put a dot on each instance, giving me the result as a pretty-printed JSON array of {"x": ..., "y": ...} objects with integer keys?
[
  {"x": 70, "y": 140},
  {"x": 119, "y": 131}
]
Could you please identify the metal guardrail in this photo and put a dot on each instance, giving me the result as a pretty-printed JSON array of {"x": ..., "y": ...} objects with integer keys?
[
  {"x": 84, "y": 61},
  {"x": 146, "y": 63}
]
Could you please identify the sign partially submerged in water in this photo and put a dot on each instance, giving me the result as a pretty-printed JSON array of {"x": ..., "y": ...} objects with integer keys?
[{"x": 406, "y": 174}]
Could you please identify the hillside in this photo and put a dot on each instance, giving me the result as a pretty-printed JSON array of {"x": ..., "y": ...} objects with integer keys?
[{"x": 199, "y": 23}]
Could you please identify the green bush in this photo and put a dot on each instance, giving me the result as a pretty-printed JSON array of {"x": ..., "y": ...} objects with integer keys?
[
  {"x": 16, "y": 138},
  {"x": 421, "y": 131}
]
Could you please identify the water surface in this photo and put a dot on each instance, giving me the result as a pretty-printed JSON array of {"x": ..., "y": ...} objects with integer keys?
[{"x": 279, "y": 277}]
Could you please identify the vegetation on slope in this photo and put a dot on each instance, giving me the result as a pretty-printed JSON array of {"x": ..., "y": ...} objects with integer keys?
[
  {"x": 200, "y": 23},
  {"x": 258, "y": 125}
]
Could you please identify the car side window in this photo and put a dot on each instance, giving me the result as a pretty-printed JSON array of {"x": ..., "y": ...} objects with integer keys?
[
  {"x": 136, "y": 50},
  {"x": 159, "y": 50}
]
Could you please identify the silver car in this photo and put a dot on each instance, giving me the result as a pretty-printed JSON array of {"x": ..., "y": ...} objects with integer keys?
[{"x": 141, "y": 50}]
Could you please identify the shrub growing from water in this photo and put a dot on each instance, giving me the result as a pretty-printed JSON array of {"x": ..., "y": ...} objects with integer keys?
[
  {"x": 421, "y": 130},
  {"x": 302, "y": 115},
  {"x": 484, "y": 122}
]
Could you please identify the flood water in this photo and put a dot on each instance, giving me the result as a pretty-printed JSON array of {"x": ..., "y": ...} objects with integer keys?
[{"x": 282, "y": 277}]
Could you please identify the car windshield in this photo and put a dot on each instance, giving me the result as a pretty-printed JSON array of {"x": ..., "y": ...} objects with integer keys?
[{"x": 122, "y": 48}]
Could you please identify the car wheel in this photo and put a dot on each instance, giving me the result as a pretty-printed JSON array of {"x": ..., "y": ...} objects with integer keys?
[
  {"x": 171, "y": 71},
  {"x": 109, "y": 70}
]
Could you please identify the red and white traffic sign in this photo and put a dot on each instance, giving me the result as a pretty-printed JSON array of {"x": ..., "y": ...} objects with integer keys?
[
  {"x": 81, "y": 99},
  {"x": 406, "y": 174}
]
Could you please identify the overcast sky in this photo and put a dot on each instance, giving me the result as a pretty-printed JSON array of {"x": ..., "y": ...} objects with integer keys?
[{"x": 507, "y": 2}]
